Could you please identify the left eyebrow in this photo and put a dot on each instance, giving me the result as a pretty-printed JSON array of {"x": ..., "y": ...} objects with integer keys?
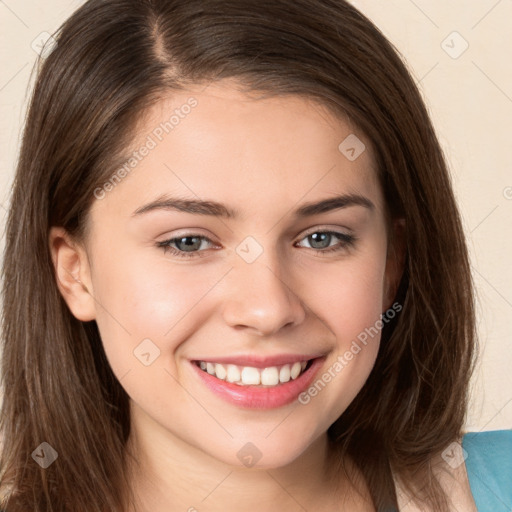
[
  {"x": 333, "y": 203},
  {"x": 216, "y": 209}
]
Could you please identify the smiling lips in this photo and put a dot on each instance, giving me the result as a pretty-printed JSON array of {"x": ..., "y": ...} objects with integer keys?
[
  {"x": 259, "y": 383},
  {"x": 251, "y": 376}
]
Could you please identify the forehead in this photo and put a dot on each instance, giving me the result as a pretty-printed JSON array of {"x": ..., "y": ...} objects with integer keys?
[{"x": 253, "y": 153}]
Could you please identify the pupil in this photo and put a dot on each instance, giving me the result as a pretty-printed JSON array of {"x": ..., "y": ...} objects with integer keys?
[
  {"x": 189, "y": 246},
  {"x": 315, "y": 237}
]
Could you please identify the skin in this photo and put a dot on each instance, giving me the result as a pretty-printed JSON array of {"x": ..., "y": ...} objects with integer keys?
[{"x": 264, "y": 158}]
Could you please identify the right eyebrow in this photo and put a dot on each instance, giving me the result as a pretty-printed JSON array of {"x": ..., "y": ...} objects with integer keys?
[{"x": 193, "y": 206}]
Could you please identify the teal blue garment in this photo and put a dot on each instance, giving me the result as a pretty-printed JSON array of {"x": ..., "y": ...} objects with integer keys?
[{"x": 489, "y": 469}]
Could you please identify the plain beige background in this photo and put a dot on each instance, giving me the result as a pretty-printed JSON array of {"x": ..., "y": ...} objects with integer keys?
[{"x": 460, "y": 53}]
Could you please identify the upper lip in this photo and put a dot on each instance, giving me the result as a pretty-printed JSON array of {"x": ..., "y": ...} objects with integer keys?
[{"x": 260, "y": 361}]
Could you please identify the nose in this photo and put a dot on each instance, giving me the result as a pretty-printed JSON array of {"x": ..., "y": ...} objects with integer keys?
[{"x": 260, "y": 299}]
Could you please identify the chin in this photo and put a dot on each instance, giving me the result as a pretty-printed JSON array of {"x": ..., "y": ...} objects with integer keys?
[{"x": 260, "y": 452}]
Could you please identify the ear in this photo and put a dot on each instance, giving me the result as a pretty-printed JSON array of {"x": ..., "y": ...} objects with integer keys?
[
  {"x": 72, "y": 273},
  {"x": 395, "y": 262}
]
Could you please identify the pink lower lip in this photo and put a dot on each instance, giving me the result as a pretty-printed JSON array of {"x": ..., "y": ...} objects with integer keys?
[{"x": 257, "y": 397}]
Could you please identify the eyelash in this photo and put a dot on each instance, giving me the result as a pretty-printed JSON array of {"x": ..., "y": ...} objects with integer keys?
[{"x": 346, "y": 242}]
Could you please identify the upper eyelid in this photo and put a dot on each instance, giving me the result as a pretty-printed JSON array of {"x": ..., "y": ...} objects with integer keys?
[{"x": 327, "y": 230}]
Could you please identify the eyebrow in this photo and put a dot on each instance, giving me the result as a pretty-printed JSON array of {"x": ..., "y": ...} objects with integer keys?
[{"x": 215, "y": 209}]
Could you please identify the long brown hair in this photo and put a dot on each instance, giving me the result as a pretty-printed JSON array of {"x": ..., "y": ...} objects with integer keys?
[{"x": 113, "y": 59}]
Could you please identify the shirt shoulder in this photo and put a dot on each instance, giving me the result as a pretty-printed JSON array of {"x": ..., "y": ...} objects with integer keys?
[{"x": 488, "y": 459}]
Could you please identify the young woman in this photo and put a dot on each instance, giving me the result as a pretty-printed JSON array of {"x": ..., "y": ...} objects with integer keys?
[{"x": 235, "y": 274}]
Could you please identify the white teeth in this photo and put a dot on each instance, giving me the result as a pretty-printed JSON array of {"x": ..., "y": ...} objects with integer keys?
[
  {"x": 250, "y": 376},
  {"x": 233, "y": 373},
  {"x": 270, "y": 376},
  {"x": 220, "y": 371},
  {"x": 284, "y": 373},
  {"x": 295, "y": 371}
]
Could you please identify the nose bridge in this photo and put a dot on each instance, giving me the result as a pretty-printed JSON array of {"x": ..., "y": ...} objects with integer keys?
[{"x": 260, "y": 295}]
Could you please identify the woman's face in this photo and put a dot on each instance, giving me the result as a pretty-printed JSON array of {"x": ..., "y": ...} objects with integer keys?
[{"x": 248, "y": 238}]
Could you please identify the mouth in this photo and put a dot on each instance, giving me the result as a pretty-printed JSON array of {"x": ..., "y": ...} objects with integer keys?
[
  {"x": 252, "y": 383},
  {"x": 270, "y": 376}
]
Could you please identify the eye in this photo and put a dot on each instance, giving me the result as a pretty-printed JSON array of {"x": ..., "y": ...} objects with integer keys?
[
  {"x": 185, "y": 246},
  {"x": 321, "y": 241},
  {"x": 195, "y": 245}
]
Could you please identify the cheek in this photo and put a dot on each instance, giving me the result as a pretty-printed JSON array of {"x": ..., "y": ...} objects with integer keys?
[
  {"x": 359, "y": 302},
  {"x": 349, "y": 301},
  {"x": 346, "y": 295},
  {"x": 140, "y": 299}
]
